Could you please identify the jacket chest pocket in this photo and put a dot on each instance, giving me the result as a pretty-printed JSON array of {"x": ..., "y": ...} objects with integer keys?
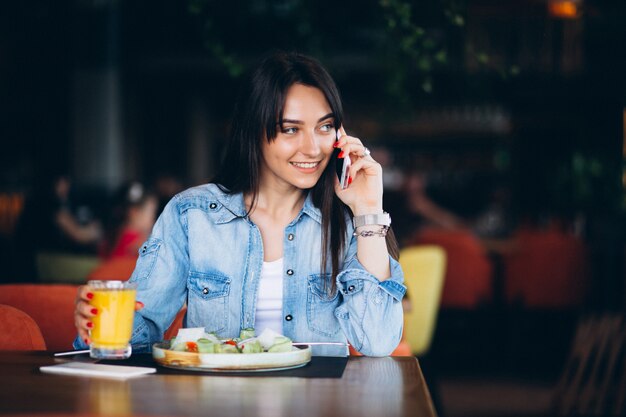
[
  {"x": 147, "y": 258},
  {"x": 208, "y": 301},
  {"x": 321, "y": 306}
]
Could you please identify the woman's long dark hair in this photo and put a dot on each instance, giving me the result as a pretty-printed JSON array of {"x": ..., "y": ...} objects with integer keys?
[{"x": 258, "y": 112}]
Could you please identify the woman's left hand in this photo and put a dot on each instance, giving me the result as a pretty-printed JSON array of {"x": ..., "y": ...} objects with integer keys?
[{"x": 364, "y": 194}]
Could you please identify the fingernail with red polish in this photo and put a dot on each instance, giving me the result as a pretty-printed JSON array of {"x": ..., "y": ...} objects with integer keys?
[
  {"x": 90, "y": 325},
  {"x": 86, "y": 341},
  {"x": 340, "y": 155},
  {"x": 90, "y": 295},
  {"x": 349, "y": 180},
  {"x": 336, "y": 144},
  {"x": 140, "y": 304},
  {"x": 94, "y": 311}
]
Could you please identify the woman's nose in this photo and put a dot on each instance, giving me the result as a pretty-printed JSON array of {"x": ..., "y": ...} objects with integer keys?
[{"x": 310, "y": 144}]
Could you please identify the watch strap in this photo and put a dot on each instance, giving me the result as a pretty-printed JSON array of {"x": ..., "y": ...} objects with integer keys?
[{"x": 382, "y": 219}]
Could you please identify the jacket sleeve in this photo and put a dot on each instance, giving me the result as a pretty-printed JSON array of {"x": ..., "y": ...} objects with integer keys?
[
  {"x": 160, "y": 276},
  {"x": 370, "y": 312}
]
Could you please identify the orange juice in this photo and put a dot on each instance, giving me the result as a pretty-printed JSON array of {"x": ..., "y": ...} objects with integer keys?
[{"x": 113, "y": 325}]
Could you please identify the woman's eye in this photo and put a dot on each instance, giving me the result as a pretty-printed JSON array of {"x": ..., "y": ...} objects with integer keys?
[
  {"x": 290, "y": 130},
  {"x": 326, "y": 128}
]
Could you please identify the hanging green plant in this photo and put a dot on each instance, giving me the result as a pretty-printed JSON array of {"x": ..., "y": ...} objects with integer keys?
[
  {"x": 413, "y": 48},
  {"x": 411, "y": 45}
]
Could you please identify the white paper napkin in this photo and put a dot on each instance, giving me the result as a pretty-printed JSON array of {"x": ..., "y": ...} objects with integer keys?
[{"x": 97, "y": 370}]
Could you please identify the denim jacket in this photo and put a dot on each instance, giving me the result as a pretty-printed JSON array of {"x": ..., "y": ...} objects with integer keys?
[{"x": 204, "y": 250}]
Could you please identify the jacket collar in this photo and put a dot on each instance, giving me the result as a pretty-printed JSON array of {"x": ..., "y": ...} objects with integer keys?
[
  {"x": 235, "y": 207},
  {"x": 310, "y": 209}
]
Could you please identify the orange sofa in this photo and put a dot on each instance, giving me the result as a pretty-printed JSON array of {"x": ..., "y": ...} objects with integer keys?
[{"x": 50, "y": 305}]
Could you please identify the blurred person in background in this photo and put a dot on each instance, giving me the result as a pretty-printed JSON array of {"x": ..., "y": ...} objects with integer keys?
[
  {"x": 52, "y": 222},
  {"x": 486, "y": 213},
  {"x": 419, "y": 202},
  {"x": 133, "y": 215},
  {"x": 415, "y": 210}
]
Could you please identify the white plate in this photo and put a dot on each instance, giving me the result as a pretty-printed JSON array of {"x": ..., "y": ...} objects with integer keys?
[{"x": 231, "y": 362}]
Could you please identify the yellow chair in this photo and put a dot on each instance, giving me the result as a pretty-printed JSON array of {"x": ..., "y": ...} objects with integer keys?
[{"x": 424, "y": 269}]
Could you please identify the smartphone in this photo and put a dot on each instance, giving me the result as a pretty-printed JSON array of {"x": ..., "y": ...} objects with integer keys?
[{"x": 342, "y": 165}]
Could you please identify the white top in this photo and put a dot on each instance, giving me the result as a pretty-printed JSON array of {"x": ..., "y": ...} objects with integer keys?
[{"x": 269, "y": 304}]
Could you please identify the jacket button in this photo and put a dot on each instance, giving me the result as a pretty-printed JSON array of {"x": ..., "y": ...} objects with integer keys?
[
  {"x": 288, "y": 317},
  {"x": 212, "y": 206},
  {"x": 290, "y": 272},
  {"x": 205, "y": 291},
  {"x": 351, "y": 288},
  {"x": 144, "y": 249},
  {"x": 290, "y": 236}
]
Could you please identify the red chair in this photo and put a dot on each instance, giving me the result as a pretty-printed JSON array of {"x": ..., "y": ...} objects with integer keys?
[
  {"x": 468, "y": 277},
  {"x": 18, "y": 331},
  {"x": 548, "y": 269},
  {"x": 50, "y": 305}
]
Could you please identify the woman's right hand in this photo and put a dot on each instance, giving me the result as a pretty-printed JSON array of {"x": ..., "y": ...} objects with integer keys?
[{"x": 84, "y": 312}]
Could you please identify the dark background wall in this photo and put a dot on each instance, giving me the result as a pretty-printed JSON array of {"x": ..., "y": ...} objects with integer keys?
[{"x": 480, "y": 93}]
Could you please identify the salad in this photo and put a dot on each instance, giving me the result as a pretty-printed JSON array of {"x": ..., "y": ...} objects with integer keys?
[{"x": 198, "y": 341}]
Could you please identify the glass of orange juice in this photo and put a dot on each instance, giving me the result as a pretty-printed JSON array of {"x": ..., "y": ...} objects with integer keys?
[{"x": 113, "y": 325}]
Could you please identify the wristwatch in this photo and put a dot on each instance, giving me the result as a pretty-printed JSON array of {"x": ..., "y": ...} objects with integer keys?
[{"x": 381, "y": 219}]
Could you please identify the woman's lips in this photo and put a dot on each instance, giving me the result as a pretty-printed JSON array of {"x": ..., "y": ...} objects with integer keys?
[{"x": 306, "y": 165}]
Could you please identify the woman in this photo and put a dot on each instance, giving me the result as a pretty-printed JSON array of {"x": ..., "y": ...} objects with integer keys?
[{"x": 271, "y": 242}]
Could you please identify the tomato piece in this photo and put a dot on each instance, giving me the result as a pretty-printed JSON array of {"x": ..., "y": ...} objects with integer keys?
[
  {"x": 230, "y": 342},
  {"x": 191, "y": 347}
]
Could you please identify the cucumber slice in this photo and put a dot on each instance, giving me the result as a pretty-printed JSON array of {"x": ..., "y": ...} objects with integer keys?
[
  {"x": 206, "y": 346},
  {"x": 247, "y": 333}
]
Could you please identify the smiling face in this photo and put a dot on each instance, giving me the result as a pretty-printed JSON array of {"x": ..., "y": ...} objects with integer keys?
[{"x": 298, "y": 155}]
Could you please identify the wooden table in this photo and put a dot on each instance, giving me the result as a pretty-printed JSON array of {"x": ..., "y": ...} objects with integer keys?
[{"x": 391, "y": 386}]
